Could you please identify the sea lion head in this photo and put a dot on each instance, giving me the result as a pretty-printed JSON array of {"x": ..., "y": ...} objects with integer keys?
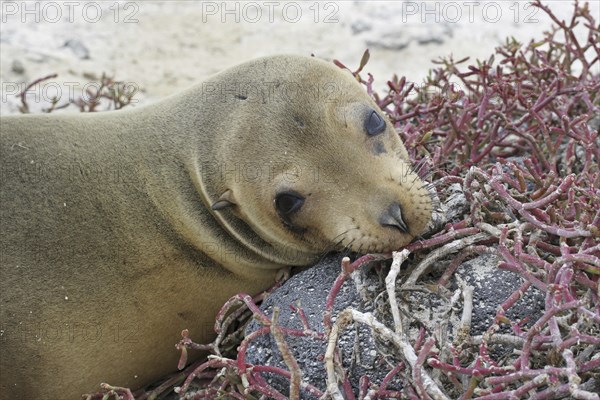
[{"x": 325, "y": 168}]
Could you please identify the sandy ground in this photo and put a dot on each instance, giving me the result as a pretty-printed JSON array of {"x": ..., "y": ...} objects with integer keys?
[{"x": 165, "y": 46}]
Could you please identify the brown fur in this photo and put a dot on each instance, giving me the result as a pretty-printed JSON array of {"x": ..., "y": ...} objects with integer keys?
[{"x": 110, "y": 246}]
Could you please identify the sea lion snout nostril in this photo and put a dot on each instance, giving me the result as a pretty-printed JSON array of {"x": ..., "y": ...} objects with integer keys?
[{"x": 393, "y": 218}]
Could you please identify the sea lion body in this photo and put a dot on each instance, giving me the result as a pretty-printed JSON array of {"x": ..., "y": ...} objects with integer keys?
[{"x": 121, "y": 229}]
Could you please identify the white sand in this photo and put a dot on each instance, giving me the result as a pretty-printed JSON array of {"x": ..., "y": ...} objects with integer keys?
[{"x": 163, "y": 47}]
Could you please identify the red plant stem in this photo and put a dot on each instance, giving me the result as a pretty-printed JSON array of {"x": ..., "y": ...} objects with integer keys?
[
  {"x": 537, "y": 327},
  {"x": 417, "y": 374},
  {"x": 260, "y": 384},
  {"x": 441, "y": 239},
  {"x": 478, "y": 371},
  {"x": 286, "y": 374},
  {"x": 388, "y": 377},
  {"x": 243, "y": 298},
  {"x": 347, "y": 269}
]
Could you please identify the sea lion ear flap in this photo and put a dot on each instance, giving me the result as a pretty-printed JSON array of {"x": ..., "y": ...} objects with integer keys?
[{"x": 226, "y": 200}]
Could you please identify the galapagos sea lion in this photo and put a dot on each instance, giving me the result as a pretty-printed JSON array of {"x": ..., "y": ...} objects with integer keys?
[{"x": 122, "y": 228}]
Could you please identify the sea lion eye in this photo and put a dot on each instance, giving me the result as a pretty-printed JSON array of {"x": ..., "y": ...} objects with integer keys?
[
  {"x": 374, "y": 123},
  {"x": 287, "y": 203}
]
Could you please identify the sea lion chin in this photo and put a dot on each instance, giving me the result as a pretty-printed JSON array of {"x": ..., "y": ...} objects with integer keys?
[{"x": 121, "y": 229}]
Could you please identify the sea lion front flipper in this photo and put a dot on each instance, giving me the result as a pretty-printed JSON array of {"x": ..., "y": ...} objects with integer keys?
[{"x": 226, "y": 200}]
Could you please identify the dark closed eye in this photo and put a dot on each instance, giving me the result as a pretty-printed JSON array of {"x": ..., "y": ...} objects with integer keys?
[
  {"x": 374, "y": 123},
  {"x": 288, "y": 203}
]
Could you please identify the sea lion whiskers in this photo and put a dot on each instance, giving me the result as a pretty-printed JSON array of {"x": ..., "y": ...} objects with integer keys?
[
  {"x": 348, "y": 249},
  {"x": 335, "y": 245},
  {"x": 419, "y": 166}
]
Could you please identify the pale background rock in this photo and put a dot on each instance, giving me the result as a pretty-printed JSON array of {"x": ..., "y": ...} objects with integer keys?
[{"x": 165, "y": 46}]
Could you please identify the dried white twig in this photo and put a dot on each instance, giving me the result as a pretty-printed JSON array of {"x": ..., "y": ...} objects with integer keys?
[
  {"x": 349, "y": 315},
  {"x": 441, "y": 252},
  {"x": 390, "y": 285}
]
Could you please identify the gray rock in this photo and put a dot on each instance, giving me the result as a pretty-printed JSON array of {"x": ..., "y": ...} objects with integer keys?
[
  {"x": 311, "y": 288},
  {"x": 391, "y": 37},
  {"x": 491, "y": 287},
  {"x": 78, "y": 48},
  {"x": 388, "y": 26},
  {"x": 389, "y": 41},
  {"x": 17, "y": 67}
]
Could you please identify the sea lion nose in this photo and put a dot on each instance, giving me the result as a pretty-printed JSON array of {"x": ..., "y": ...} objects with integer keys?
[{"x": 393, "y": 218}]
